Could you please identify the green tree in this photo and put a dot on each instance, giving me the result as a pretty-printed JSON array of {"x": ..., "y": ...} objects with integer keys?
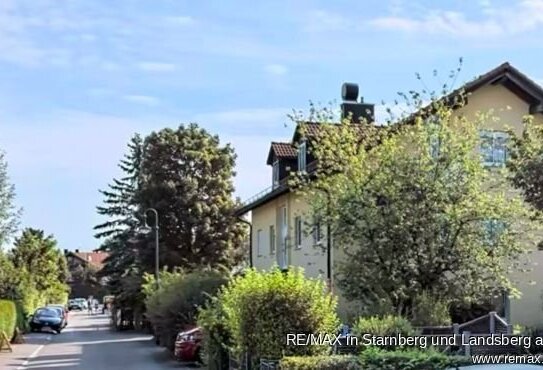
[
  {"x": 121, "y": 209},
  {"x": 42, "y": 267},
  {"x": 187, "y": 176},
  {"x": 414, "y": 209},
  {"x": 9, "y": 214}
]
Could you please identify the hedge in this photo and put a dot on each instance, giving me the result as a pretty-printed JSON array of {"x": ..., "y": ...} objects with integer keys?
[
  {"x": 8, "y": 317},
  {"x": 262, "y": 308},
  {"x": 376, "y": 359},
  {"x": 321, "y": 363}
]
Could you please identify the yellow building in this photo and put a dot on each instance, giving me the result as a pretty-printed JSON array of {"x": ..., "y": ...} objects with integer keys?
[{"x": 278, "y": 215}]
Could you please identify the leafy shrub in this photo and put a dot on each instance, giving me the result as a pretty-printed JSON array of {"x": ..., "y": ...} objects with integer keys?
[
  {"x": 376, "y": 359},
  {"x": 174, "y": 306},
  {"x": 261, "y": 308},
  {"x": 8, "y": 317},
  {"x": 216, "y": 337},
  {"x": 385, "y": 326},
  {"x": 321, "y": 363},
  {"x": 430, "y": 311}
]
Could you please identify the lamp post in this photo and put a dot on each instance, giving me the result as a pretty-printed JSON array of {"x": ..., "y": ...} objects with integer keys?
[{"x": 157, "y": 267}]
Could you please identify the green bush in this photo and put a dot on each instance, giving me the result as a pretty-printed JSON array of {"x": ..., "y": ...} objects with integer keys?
[
  {"x": 385, "y": 326},
  {"x": 22, "y": 322},
  {"x": 261, "y": 308},
  {"x": 376, "y": 359},
  {"x": 174, "y": 306},
  {"x": 8, "y": 317},
  {"x": 216, "y": 337},
  {"x": 430, "y": 311},
  {"x": 321, "y": 363}
]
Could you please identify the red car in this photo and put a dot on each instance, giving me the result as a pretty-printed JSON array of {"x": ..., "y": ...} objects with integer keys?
[{"x": 187, "y": 345}]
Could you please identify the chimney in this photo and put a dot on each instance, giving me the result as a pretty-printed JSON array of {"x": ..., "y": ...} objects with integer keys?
[{"x": 351, "y": 107}]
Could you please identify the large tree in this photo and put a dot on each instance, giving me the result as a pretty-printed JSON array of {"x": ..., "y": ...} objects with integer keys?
[
  {"x": 187, "y": 176},
  {"x": 415, "y": 211}
]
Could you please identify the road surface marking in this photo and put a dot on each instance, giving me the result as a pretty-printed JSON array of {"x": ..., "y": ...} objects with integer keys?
[{"x": 34, "y": 354}]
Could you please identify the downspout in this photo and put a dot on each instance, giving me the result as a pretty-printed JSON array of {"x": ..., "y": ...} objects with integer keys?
[{"x": 250, "y": 239}]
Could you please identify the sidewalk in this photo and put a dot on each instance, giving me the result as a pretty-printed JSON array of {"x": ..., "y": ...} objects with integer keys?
[{"x": 22, "y": 352}]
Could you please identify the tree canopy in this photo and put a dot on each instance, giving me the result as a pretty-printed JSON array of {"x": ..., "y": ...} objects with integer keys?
[{"x": 414, "y": 210}]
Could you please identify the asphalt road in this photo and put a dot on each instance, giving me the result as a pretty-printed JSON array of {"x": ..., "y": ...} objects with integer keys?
[{"x": 88, "y": 344}]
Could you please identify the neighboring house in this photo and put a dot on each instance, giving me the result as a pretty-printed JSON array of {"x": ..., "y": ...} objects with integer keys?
[
  {"x": 84, "y": 268},
  {"x": 278, "y": 215}
]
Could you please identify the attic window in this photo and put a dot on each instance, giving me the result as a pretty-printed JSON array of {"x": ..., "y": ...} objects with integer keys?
[
  {"x": 493, "y": 148},
  {"x": 302, "y": 156}
]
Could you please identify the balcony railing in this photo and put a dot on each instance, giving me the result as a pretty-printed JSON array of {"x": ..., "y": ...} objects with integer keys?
[{"x": 310, "y": 168}]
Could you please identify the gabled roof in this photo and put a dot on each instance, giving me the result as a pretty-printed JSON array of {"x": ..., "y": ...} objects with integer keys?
[
  {"x": 512, "y": 79},
  {"x": 93, "y": 258},
  {"x": 281, "y": 150}
]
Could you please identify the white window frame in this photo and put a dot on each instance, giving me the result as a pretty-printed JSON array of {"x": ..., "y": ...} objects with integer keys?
[
  {"x": 259, "y": 242},
  {"x": 317, "y": 232},
  {"x": 495, "y": 137},
  {"x": 272, "y": 239},
  {"x": 298, "y": 226},
  {"x": 275, "y": 174},
  {"x": 302, "y": 156},
  {"x": 283, "y": 250}
]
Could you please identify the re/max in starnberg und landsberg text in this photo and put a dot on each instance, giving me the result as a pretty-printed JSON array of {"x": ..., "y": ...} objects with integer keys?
[{"x": 422, "y": 341}]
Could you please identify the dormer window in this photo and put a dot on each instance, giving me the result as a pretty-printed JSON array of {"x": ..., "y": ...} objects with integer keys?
[
  {"x": 302, "y": 156},
  {"x": 275, "y": 174}
]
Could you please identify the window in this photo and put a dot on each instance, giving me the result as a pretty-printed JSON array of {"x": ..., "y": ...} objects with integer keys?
[
  {"x": 259, "y": 242},
  {"x": 317, "y": 232},
  {"x": 298, "y": 231},
  {"x": 493, "y": 148},
  {"x": 302, "y": 156},
  {"x": 272, "y": 239},
  {"x": 275, "y": 174},
  {"x": 493, "y": 229},
  {"x": 434, "y": 146}
]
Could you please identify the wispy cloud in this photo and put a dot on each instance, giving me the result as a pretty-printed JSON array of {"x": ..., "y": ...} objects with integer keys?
[
  {"x": 142, "y": 99},
  {"x": 244, "y": 120},
  {"x": 181, "y": 20},
  {"x": 324, "y": 21},
  {"x": 156, "y": 67},
  {"x": 276, "y": 69},
  {"x": 525, "y": 16}
]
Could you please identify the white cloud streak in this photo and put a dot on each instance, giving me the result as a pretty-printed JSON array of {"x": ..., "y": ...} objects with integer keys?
[
  {"x": 156, "y": 67},
  {"x": 525, "y": 16}
]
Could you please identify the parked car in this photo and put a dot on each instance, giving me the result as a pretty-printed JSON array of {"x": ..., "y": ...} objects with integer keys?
[
  {"x": 77, "y": 304},
  {"x": 63, "y": 310},
  {"x": 47, "y": 317},
  {"x": 188, "y": 344}
]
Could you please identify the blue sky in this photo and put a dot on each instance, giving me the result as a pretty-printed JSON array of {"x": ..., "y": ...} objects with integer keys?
[{"x": 78, "y": 77}]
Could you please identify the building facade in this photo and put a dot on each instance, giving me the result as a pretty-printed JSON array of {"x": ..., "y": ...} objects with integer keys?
[{"x": 283, "y": 235}]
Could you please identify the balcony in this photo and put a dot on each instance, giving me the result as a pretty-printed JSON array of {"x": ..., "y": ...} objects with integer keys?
[{"x": 283, "y": 184}]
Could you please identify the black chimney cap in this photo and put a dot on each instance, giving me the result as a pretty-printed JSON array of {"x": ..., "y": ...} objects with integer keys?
[{"x": 349, "y": 91}]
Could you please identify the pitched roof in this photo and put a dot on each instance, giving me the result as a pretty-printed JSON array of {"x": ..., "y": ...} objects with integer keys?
[
  {"x": 94, "y": 258},
  {"x": 281, "y": 150},
  {"x": 512, "y": 79}
]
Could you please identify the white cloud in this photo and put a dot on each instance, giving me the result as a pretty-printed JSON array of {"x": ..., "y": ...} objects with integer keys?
[
  {"x": 276, "y": 69},
  {"x": 180, "y": 20},
  {"x": 325, "y": 21},
  {"x": 525, "y": 16},
  {"x": 539, "y": 82},
  {"x": 142, "y": 99},
  {"x": 246, "y": 119},
  {"x": 156, "y": 66}
]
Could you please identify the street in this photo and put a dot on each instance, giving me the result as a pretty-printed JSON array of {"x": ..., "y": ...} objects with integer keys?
[{"x": 88, "y": 344}]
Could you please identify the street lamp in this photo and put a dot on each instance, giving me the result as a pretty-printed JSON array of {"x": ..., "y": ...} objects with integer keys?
[{"x": 147, "y": 227}]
